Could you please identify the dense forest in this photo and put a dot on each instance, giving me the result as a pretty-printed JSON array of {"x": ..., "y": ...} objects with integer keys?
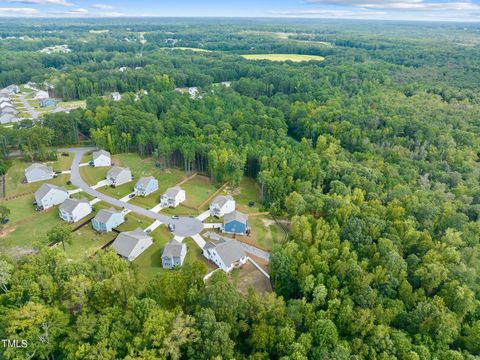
[{"x": 373, "y": 154}]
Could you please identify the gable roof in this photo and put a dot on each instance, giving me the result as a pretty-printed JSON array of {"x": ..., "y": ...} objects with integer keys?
[
  {"x": 126, "y": 241},
  {"x": 38, "y": 166},
  {"x": 105, "y": 214},
  {"x": 144, "y": 181},
  {"x": 235, "y": 216},
  {"x": 98, "y": 153},
  {"x": 116, "y": 170},
  {"x": 229, "y": 251},
  {"x": 70, "y": 204},
  {"x": 173, "y": 249},
  {"x": 221, "y": 200},
  {"x": 45, "y": 189},
  {"x": 173, "y": 191}
]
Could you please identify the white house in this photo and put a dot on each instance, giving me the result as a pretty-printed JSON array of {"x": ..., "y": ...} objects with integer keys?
[
  {"x": 117, "y": 176},
  {"x": 221, "y": 205},
  {"x": 73, "y": 210},
  {"x": 13, "y": 89},
  {"x": 226, "y": 254},
  {"x": 50, "y": 195},
  {"x": 116, "y": 96},
  {"x": 41, "y": 95},
  {"x": 173, "y": 197},
  {"x": 38, "y": 172},
  {"x": 173, "y": 254},
  {"x": 130, "y": 244},
  {"x": 101, "y": 158},
  {"x": 8, "y": 118}
]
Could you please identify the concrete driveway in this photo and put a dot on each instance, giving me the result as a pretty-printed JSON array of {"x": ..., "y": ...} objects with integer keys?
[{"x": 184, "y": 226}]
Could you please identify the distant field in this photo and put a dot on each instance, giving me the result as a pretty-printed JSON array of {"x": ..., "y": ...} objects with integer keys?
[
  {"x": 284, "y": 57},
  {"x": 189, "y": 48}
]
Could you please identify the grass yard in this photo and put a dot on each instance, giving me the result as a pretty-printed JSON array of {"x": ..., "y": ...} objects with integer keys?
[
  {"x": 16, "y": 175},
  {"x": 62, "y": 163},
  {"x": 147, "y": 202},
  {"x": 86, "y": 241},
  {"x": 247, "y": 191},
  {"x": 93, "y": 175},
  {"x": 198, "y": 190},
  {"x": 265, "y": 232},
  {"x": 283, "y": 57},
  {"x": 179, "y": 210},
  {"x": 119, "y": 191},
  {"x": 20, "y": 208}
]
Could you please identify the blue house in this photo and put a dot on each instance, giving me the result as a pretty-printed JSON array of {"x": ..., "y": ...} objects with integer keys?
[
  {"x": 146, "y": 185},
  {"x": 47, "y": 102},
  {"x": 235, "y": 223},
  {"x": 107, "y": 219}
]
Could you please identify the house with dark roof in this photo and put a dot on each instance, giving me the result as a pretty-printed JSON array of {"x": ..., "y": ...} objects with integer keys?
[
  {"x": 107, "y": 219},
  {"x": 38, "y": 172},
  {"x": 145, "y": 186},
  {"x": 130, "y": 244},
  {"x": 173, "y": 254},
  {"x": 73, "y": 210},
  {"x": 101, "y": 158},
  {"x": 221, "y": 205},
  {"x": 235, "y": 223},
  {"x": 173, "y": 197},
  {"x": 117, "y": 176},
  {"x": 50, "y": 195},
  {"x": 226, "y": 253}
]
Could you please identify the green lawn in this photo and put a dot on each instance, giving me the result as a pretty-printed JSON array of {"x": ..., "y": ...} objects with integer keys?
[
  {"x": 86, "y": 242},
  {"x": 180, "y": 210},
  {"x": 20, "y": 208},
  {"x": 247, "y": 191},
  {"x": 93, "y": 175},
  {"x": 62, "y": 163},
  {"x": 284, "y": 57},
  {"x": 147, "y": 202},
  {"x": 264, "y": 232},
  {"x": 198, "y": 190},
  {"x": 119, "y": 191},
  {"x": 16, "y": 175}
]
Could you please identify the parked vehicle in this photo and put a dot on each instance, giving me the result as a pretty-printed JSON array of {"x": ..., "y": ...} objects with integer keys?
[
  {"x": 131, "y": 196},
  {"x": 171, "y": 227},
  {"x": 175, "y": 217}
]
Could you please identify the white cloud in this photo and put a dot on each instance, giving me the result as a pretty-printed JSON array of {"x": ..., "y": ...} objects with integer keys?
[
  {"x": 18, "y": 11},
  {"x": 330, "y": 13},
  {"x": 73, "y": 12},
  {"x": 102, "y": 6},
  {"x": 40, "y": 2},
  {"x": 405, "y": 5}
]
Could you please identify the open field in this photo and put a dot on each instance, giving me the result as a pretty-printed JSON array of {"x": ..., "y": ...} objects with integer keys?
[
  {"x": 198, "y": 190},
  {"x": 20, "y": 208},
  {"x": 70, "y": 105},
  {"x": 284, "y": 57},
  {"x": 189, "y": 48}
]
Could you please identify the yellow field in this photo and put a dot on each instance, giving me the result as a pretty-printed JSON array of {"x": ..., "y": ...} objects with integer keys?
[
  {"x": 189, "y": 48},
  {"x": 284, "y": 57}
]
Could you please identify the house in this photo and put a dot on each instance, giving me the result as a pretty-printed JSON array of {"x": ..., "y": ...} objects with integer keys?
[
  {"x": 38, "y": 172},
  {"x": 173, "y": 197},
  {"x": 193, "y": 91},
  {"x": 173, "y": 254},
  {"x": 5, "y": 104},
  {"x": 226, "y": 254},
  {"x": 47, "y": 102},
  {"x": 8, "y": 118},
  {"x": 221, "y": 205},
  {"x": 41, "y": 95},
  {"x": 50, "y": 195},
  {"x": 101, "y": 158},
  {"x": 130, "y": 244},
  {"x": 107, "y": 219},
  {"x": 73, "y": 210},
  {"x": 235, "y": 223},
  {"x": 31, "y": 86},
  {"x": 13, "y": 89},
  {"x": 116, "y": 96},
  {"x": 8, "y": 110},
  {"x": 145, "y": 186},
  {"x": 117, "y": 176}
]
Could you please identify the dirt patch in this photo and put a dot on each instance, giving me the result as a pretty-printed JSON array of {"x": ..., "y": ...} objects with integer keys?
[
  {"x": 18, "y": 252},
  {"x": 250, "y": 277},
  {"x": 268, "y": 222},
  {"x": 7, "y": 231}
]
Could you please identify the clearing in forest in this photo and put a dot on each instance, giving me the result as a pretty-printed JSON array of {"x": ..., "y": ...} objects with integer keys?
[{"x": 284, "y": 57}]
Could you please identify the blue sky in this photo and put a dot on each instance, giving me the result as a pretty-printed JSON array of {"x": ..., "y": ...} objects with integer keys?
[{"x": 440, "y": 10}]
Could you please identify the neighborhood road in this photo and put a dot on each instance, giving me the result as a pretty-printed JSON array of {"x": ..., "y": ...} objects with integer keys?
[
  {"x": 184, "y": 226},
  {"x": 34, "y": 114}
]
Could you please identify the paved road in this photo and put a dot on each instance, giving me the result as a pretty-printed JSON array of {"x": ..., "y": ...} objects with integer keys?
[
  {"x": 34, "y": 114},
  {"x": 184, "y": 226}
]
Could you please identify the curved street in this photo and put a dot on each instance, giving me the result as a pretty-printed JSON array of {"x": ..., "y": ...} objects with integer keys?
[{"x": 184, "y": 226}]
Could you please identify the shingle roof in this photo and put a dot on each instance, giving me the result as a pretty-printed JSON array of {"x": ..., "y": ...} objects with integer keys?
[
  {"x": 126, "y": 241},
  {"x": 105, "y": 214},
  {"x": 45, "y": 189},
  {"x": 144, "y": 181},
  {"x": 70, "y": 204},
  {"x": 173, "y": 248},
  {"x": 229, "y": 251},
  {"x": 96, "y": 154},
  {"x": 235, "y": 215},
  {"x": 173, "y": 191},
  {"x": 221, "y": 200},
  {"x": 43, "y": 167},
  {"x": 8, "y": 118},
  {"x": 115, "y": 171}
]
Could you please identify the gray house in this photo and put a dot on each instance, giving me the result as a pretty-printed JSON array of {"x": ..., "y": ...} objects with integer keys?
[
  {"x": 50, "y": 195},
  {"x": 8, "y": 118},
  {"x": 173, "y": 254},
  {"x": 107, "y": 219},
  {"x": 130, "y": 244},
  {"x": 73, "y": 210},
  {"x": 38, "y": 172},
  {"x": 145, "y": 186},
  {"x": 8, "y": 110},
  {"x": 117, "y": 176},
  {"x": 226, "y": 254}
]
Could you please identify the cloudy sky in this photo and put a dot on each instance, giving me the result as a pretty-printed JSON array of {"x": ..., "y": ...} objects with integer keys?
[{"x": 438, "y": 10}]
